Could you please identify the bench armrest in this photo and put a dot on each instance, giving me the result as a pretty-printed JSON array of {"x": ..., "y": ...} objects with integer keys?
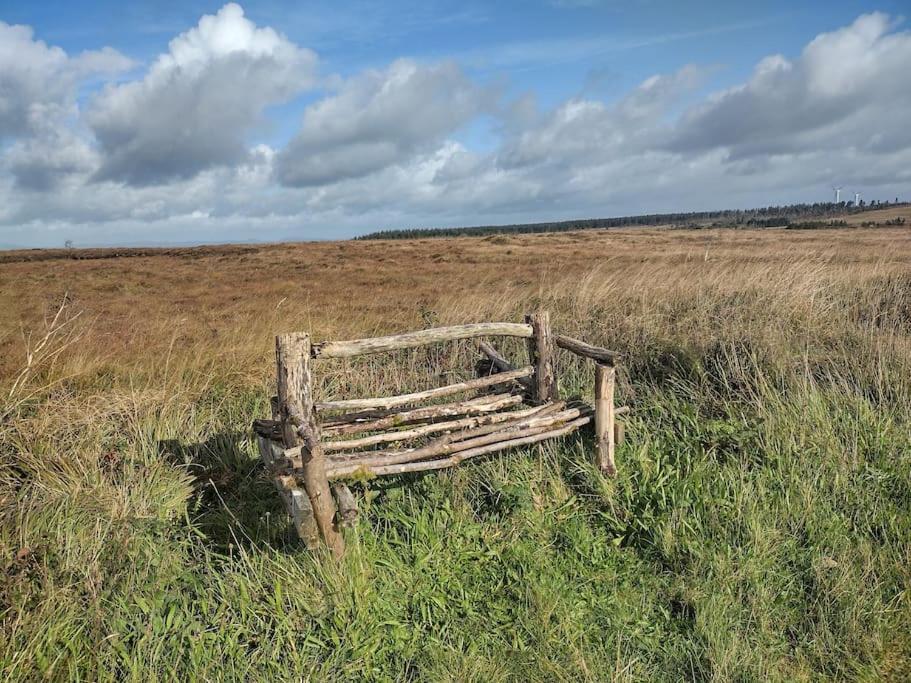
[{"x": 580, "y": 348}]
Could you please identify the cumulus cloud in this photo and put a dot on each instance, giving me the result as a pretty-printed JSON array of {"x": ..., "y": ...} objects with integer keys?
[
  {"x": 582, "y": 131},
  {"x": 847, "y": 88},
  {"x": 380, "y": 118},
  {"x": 37, "y": 81},
  {"x": 169, "y": 155},
  {"x": 193, "y": 108},
  {"x": 41, "y": 163}
]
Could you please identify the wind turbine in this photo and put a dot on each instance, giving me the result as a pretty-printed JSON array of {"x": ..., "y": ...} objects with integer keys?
[{"x": 837, "y": 194}]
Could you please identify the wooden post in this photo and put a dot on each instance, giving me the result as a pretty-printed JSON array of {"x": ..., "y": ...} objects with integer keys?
[
  {"x": 295, "y": 399},
  {"x": 347, "y": 506},
  {"x": 604, "y": 417},
  {"x": 296, "y": 501},
  {"x": 541, "y": 353},
  {"x": 619, "y": 431}
]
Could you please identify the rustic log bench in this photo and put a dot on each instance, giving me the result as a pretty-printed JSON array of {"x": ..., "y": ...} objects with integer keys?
[{"x": 315, "y": 443}]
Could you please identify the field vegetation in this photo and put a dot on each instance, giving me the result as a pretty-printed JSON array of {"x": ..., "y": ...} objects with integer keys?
[{"x": 759, "y": 529}]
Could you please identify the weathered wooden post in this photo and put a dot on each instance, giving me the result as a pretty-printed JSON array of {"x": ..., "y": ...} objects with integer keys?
[
  {"x": 541, "y": 353},
  {"x": 605, "y": 376},
  {"x": 299, "y": 429}
]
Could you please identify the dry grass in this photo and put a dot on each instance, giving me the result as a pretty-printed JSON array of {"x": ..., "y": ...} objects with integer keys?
[
  {"x": 188, "y": 301},
  {"x": 759, "y": 529}
]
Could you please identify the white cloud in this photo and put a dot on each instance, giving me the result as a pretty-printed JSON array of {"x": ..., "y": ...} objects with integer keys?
[
  {"x": 851, "y": 87},
  {"x": 583, "y": 131},
  {"x": 37, "y": 81},
  {"x": 167, "y": 156},
  {"x": 380, "y": 118},
  {"x": 197, "y": 102}
]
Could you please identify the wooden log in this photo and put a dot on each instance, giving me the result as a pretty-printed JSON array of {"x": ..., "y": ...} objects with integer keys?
[
  {"x": 269, "y": 429},
  {"x": 276, "y": 410},
  {"x": 580, "y": 348},
  {"x": 437, "y": 392},
  {"x": 303, "y": 519},
  {"x": 269, "y": 452},
  {"x": 292, "y": 357},
  {"x": 483, "y": 404},
  {"x": 604, "y": 417},
  {"x": 422, "y": 430},
  {"x": 520, "y": 419},
  {"x": 619, "y": 430},
  {"x": 427, "y": 413},
  {"x": 541, "y": 353},
  {"x": 501, "y": 364},
  {"x": 346, "y": 504},
  {"x": 331, "y": 421},
  {"x": 358, "y": 347},
  {"x": 455, "y": 442},
  {"x": 296, "y": 501},
  {"x": 461, "y": 456}
]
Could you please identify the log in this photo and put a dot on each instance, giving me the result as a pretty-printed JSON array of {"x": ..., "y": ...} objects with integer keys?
[
  {"x": 347, "y": 506},
  {"x": 452, "y": 443},
  {"x": 332, "y": 421},
  {"x": 604, "y": 418},
  {"x": 541, "y": 353},
  {"x": 422, "y": 430},
  {"x": 427, "y": 413},
  {"x": 461, "y": 456},
  {"x": 292, "y": 359},
  {"x": 358, "y": 347},
  {"x": 437, "y": 392},
  {"x": 296, "y": 501},
  {"x": 500, "y": 363},
  {"x": 619, "y": 430},
  {"x": 580, "y": 348},
  {"x": 276, "y": 410},
  {"x": 269, "y": 429},
  {"x": 303, "y": 519}
]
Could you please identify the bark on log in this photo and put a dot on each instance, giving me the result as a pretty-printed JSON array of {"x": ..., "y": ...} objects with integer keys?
[
  {"x": 346, "y": 504},
  {"x": 541, "y": 353},
  {"x": 276, "y": 409},
  {"x": 292, "y": 356},
  {"x": 456, "y": 441},
  {"x": 357, "y": 347},
  {"x": 437, "y": 392},
  {"x": 422, "y": 430},
  {"x": 580, "y": 348},
  {"x": 501, "y": 364},
  {"x": 472, "y": 407},
  {"x": 329, "y": 422},
  {"x": 604, "y": 418},
  {"x": 461, "y": 456},
  {"x": 269, "y": 429}
]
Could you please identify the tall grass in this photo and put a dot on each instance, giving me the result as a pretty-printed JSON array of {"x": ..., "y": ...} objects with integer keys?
[{"x": 760, "y": 528}]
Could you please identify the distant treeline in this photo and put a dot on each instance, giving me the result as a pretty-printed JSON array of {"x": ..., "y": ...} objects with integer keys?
[{"x": 767, "y": 217}]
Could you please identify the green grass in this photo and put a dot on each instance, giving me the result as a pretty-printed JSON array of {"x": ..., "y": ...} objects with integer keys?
[{"x": 760, "y": 528}]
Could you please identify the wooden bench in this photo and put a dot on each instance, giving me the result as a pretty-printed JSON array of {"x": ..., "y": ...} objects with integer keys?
[{"x": 320, "y": 444}]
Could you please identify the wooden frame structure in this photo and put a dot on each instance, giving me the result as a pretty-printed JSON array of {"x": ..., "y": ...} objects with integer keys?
[{"x": 317, "y": 445}]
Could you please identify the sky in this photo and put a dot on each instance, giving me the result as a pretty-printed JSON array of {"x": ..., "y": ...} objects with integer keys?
[{"x": 189, "y": 122}]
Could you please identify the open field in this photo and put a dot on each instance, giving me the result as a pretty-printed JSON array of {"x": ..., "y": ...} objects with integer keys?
[{"x": 760, "y": 528}]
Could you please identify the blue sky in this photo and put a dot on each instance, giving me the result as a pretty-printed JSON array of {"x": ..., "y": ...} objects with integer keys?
[{"x": 273, "y": 120}]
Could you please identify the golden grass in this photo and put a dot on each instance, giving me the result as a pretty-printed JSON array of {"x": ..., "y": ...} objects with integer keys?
[{"x": 200, "y": 300}]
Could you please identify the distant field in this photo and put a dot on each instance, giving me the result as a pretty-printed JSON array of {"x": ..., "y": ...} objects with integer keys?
[{"x": 760, "y": 528}]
